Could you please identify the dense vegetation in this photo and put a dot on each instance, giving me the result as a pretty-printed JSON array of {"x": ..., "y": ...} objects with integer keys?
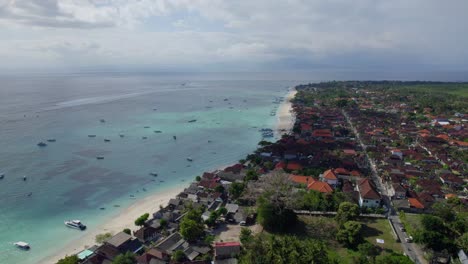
[
  {"x": 283, "y": 249},
  {"x": 443, "y": 230}
]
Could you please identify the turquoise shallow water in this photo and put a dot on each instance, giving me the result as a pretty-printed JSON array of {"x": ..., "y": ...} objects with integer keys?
[{"x": 65, "y": 178}]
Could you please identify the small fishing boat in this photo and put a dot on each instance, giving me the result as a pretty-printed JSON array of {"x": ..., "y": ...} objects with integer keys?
[
  {"x": 107, "y": 140},
  {"x": 192, "y": 121},
  {"x": 51, "y": 140},
  {"x": 41, "y": 144},
  {"x": 102, "y": 121},
  {"x": 24, "y": 178},
  {"x": 2, "y": 175},
  {"x": 146, "y": 127},
  {"x": 121, "y": 135},
  {"x": 143, "y": 137},
  {"x": 175, "y": 138},
  {"x": 91, "y": 136},
  {"x": 100, "y": 157},
  {"x": 22, "y": 245},
  {"x": 157, "y": 131},
  {"x": 189, "y": 159},
  {"x": 154, "y": 174}
]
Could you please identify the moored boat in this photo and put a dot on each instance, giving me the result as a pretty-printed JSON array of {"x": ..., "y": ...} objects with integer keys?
[
  {"x": 100, "y": 157},
  {"x": 91, "y": 136},
  {"x": 75, "y": 224},
  {"x": 22, "y": 245},
  {"x": 2, "y": 175},
  {"x": 189, "y": 159},
  {"x": 41, "y": 144},
  {"x": 153, "y": 174},
  {"x": 51, "y": 140}
]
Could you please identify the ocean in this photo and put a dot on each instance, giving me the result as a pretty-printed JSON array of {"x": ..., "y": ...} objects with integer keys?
[{"x": 64, "y": 180}]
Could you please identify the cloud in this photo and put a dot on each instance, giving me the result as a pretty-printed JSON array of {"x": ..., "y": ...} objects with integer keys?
[{"x": 288, "y": 34}]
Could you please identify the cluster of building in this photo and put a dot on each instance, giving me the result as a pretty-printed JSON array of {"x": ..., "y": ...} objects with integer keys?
[
  {"x": 159, "y": 238},
  {"x": 414, "y": 157},
  {"x": 323, "y": 154}
]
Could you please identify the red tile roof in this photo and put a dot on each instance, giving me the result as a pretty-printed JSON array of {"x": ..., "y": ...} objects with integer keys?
[
  {"x": 294, "y": 166},
  {"x": 415, "y": 203},
  {"x": 341, "y": 171},
  {"x": 349, "y": 152},
  {"x": 367, "y": 191},
  {"x": 301, "y": 179},
  {"x": 227, "y": 244},
  {"x": 329, "y": 175},
  {"x": 319, "y": 186}
]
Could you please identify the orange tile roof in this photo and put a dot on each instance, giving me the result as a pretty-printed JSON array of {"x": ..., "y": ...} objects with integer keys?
[
  {"x": 319, "y": 186},
  {"x": 450, "y": 195},
  {"x": 294, "y": 166},
  {"x": 301, "y": 179},
  {"x": 342, "y": 171},
  {"x": 415, "y": 203},
  {"x": 329, "y": 175}
]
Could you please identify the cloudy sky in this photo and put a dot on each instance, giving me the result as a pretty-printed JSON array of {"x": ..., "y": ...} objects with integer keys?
[{"x": 234, "y": 34}]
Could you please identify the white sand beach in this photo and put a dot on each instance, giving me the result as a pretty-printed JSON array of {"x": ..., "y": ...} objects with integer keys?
[
  {"x": 285, "y": 115},
  {"x": 115, "y": 224}
]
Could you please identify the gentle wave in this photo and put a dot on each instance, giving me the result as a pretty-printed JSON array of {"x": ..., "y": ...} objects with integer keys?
[{"x": 93, "y": 100}]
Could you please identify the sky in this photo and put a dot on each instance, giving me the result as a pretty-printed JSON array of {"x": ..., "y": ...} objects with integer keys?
[{"x": 240, "y": 35}]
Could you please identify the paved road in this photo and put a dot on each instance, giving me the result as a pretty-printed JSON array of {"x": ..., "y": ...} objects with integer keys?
[{"x": 412, "y": 250}]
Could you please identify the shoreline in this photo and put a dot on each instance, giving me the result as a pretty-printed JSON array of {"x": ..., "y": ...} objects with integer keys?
[
  {"x": 116, "y": 223},
  {"x": 150, "y": 204},
  {"x": 285, "y": 115}
]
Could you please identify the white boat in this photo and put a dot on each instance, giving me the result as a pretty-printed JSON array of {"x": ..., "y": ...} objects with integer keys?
[
  {"x": 75, "y": 224},
  {"x": 22, "y": 245}
]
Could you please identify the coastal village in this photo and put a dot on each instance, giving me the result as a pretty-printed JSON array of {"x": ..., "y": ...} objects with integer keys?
[{"x": 366, "y": 171}]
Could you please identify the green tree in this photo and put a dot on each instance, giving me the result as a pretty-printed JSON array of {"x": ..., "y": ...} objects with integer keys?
[
  {"x": 350, "y": 234},
  {"x": 191, "y": 226},
  {"x": 347, "y": 211},
  {"x": 140, "y": 221},
  {"x": 163, "y": 222},
  {"x": 178, "y": 256},
  {"x": 275, "y": 216},
  {"x": 219, "y": 189},
  {"x": 284, "y": 249},
  {"x": 73, "y": 259},
  {"x": 245, "y": 236},
  {"x": 462, "y": 242},
  {"x": 393, "y": 258},
  {"x": 127, "y": 231},
  {"x": 366, "y": 249},
  {"x": 236, "y": 189},
  {"x": 208, "y": 240},
  {"x": 222, "y": 211},
  {"x": 198, "y": 178},
  {"x": 251, "y": 175},
  {"x": 100, "y": 238},
  {"x": 127, "y": 258}
]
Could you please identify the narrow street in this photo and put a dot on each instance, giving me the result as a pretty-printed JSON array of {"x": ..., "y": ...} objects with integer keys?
[{"x": 413, "y": 251}]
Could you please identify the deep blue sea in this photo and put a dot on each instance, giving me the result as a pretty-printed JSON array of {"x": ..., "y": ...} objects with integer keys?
[{"x": 65, "y": 180}]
